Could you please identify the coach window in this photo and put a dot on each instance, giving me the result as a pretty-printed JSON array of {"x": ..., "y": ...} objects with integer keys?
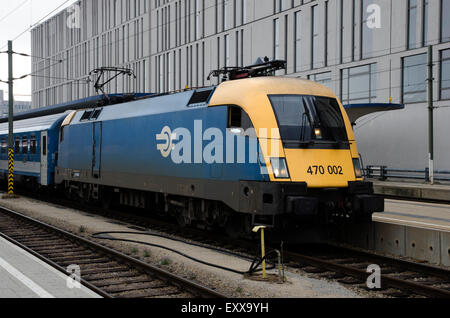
[
  {"x": 44, "y": 146},
  {"x": 33, "y": 145},
  {"x": 17, "y": 145},
  {"x": 24, "y": 145},
  {"x": 3, "y": 145}
]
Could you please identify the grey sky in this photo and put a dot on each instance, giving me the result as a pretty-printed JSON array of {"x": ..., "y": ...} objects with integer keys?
[{"x": 16, "y": 17}]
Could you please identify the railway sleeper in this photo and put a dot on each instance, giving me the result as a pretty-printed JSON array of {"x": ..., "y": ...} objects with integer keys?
[
  {"x": 72, "y": 258},
  {"x": 151, "y": 293},
  {"x": 114, "y": 272},
  {"x": 112, "y": 282},
  {"x": 72, "y": 252},
  {"x": 98, "y": 260},
  {"x": 126, "y": 287}
]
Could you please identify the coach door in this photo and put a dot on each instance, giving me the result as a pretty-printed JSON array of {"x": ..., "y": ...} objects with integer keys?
[
  {"x": 96, "y": 149},
  {"x": 44, "y": 158}
]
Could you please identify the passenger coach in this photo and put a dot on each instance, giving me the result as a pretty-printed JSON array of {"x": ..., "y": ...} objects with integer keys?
[{"x": 35, "y": 150}]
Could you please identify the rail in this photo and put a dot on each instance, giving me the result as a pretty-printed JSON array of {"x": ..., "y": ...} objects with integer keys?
[{"x": 110, "y": 273}]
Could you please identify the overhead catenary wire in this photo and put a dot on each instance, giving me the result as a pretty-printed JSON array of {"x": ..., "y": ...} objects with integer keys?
[
  {"x": 13, "y": 11},
  {"x": 39, "y": 21}
]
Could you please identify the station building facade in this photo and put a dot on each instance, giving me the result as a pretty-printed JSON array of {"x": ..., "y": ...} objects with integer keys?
[
  {"x": 19, "y": 106},
  {"x": 366, "y": 51}
]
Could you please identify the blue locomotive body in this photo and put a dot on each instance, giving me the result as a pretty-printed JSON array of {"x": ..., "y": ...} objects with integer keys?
[
  {"x": 117, "y": 148},
  {"x": 125, "y": 138}
]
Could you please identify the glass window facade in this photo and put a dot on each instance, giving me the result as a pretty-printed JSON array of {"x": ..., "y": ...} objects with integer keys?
[
  {"x": 445, "y": 75},
  {"x": 359, "y": 84},
  {"x": 414, "y": 78},
  {"x": 425, "y": 22},
  {"x": 227, "y": 50},
  {"x": 298, "y": 41},
  {"x": 445, "y": 21},
  {"x": 355, "y": 25},
  {"x": 315, "y": 37},
  {"x": 412, "y": 24},
  {"x": 367, "y": 33},
  {"x": 276, "y": 39},
  {"x": 322, "y": 78}
]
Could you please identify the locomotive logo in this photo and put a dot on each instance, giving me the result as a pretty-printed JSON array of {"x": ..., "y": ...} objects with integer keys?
[{"x": 167, "y": 136}]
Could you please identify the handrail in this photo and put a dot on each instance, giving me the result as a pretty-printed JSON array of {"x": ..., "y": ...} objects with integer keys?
[{"x": 383, "y": 173}]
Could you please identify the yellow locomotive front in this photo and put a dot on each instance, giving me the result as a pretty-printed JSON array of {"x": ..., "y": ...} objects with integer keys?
[{"x": 306, "y": 138}]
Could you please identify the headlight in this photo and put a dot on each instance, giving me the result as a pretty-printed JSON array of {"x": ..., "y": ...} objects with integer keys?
[
  {"x": 279, "y": 168},
  {"x": 357, "y": 165}
]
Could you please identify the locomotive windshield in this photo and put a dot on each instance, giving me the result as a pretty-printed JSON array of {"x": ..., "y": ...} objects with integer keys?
[{"x": 309, "y": 121}]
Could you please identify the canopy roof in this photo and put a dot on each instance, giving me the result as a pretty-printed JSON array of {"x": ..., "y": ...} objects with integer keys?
[{"x": 356, "y": 111}]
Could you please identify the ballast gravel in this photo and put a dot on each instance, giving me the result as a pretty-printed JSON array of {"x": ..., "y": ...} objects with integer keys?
[{"x": 298, "y": 285}]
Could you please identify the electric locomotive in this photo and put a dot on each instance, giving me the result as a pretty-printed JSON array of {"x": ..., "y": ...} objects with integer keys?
[{"x": 276, "y": 151}]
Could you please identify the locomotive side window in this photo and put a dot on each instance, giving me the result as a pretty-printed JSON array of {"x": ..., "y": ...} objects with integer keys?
[
  {"x": 237, "y": 118},
  {"x": 33, "y": 145},
  {"x": 4, "y": 145},
  {"x": 200, "y": 97},
  {"x": 24, "y": 145},
  {"x": 96, "y": 114},
  {"x": 234, "y": 117},
  {"x": 86, "y": 115},
  {"x": 91, "y": 115},
  {"x": 61, "y": 134}
]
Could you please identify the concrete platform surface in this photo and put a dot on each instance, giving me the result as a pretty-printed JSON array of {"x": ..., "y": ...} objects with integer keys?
[
  {"x": 416, "y": 214},
  {"x": 424, "y": 191},
  {"x": 24, "y": 276}
]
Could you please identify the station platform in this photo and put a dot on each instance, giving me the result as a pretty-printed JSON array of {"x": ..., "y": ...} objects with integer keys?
[
  {"x": 24, "y": 276},
  {"x": 411, "y": 229},
  {"x": 411, "y": 190},
  {"x": 430, "y": 216}
]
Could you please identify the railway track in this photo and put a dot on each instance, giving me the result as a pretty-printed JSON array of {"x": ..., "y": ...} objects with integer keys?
[
  {"x": 400, "y": 279},
  {"x": 105, "y": 271}
]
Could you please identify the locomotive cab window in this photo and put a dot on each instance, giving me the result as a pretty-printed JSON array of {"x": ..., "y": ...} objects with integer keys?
[
  {"x": 309, "y": 121},
  {"x": 238, "y": 121}
]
